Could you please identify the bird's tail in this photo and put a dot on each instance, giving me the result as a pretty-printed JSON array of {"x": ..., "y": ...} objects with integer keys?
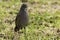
[{"x": 16, "y": 29}]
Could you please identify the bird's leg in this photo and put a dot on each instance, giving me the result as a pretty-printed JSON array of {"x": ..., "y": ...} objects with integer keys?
[{"x": 25, "y": 33}]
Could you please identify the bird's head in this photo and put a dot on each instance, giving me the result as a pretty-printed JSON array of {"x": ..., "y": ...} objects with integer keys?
[{"x": 24, "y": 7}]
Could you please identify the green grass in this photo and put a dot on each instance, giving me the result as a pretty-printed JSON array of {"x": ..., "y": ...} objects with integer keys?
[{"x": 44, "y": 19}]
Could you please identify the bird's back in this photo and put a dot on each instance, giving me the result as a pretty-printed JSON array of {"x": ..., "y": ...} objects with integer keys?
[{"x": 22, "y": 18}]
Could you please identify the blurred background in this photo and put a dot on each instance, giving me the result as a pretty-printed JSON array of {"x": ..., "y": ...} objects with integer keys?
[{"x": 44, "y": 19}]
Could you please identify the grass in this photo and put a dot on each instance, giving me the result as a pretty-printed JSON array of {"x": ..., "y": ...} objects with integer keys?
[{"x": 44, "y": 19}]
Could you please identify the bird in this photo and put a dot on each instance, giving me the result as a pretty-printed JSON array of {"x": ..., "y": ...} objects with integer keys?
[{"x": 22, "y": 18}]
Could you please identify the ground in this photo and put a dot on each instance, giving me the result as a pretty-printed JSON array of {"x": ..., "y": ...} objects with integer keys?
[{"x": 44, "y": 19}]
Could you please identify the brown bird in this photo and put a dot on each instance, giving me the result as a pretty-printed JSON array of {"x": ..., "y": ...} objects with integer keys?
[{"x": 22, "y": 19}]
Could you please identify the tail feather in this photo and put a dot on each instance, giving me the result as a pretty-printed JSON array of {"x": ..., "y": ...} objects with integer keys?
[{"x": 16, "y": 29}]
